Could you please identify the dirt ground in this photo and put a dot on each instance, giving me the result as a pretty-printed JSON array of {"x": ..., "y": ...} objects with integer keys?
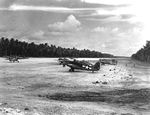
[{"x": 40, "y": 86}]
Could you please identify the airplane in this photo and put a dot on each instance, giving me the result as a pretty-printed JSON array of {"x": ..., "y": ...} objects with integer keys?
[
  {"x": 108, "y": 61},
  {"x": 14, "y": 58},
  {"x": 62, "y": 60},
  {"x": 81, "y": 65}
]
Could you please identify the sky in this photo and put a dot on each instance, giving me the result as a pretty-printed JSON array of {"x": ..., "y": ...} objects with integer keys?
[{"x": 118, "y": 27}]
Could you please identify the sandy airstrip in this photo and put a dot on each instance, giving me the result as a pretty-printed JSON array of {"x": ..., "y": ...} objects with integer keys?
[{"x": 40, "y": 86}]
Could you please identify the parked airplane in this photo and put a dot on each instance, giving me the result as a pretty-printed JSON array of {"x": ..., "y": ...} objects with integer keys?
[
  {"x": 108, "y": 61},
  {"x": 13, "y": 59},
  {"x": 62, "y": 60},
  {"x": 81, "y": 65}
]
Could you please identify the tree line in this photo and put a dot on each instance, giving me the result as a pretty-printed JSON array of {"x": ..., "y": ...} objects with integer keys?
[
  {"x": 143, "y": 54},
  {"x": 10, "y": 47}
]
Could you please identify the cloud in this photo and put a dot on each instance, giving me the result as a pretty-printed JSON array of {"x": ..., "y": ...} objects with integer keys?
[
  {"x": 110, "y": 2},
  {"x": 17, "y": 7},
  {"x": 99, "y": 29},
  {"x": 115, "y": 29},
  {"x": 79, "y": 6},
  {"x": 71, "y": 24},
  {"x": 57, "y": 3},
  {"x": 127, "y": 16},
  {"x": 38, "y": 33},
  {"x": 109, "y": 18},
  {"x": 113, "y": 15},
  {"x": 132, "y": 13},
  {"x": 106, "y": 29},
  {"x": 6, "y": 3},
  {"x": 103, "y": 45}
]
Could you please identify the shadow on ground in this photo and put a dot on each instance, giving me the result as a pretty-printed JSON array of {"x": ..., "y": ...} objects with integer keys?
[{"x": 126, "y": 96}]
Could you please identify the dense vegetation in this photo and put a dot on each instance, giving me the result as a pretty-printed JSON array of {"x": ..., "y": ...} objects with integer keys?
[
  {"x": 143, "y": 54},
  {"x": 11, "y": 46}
]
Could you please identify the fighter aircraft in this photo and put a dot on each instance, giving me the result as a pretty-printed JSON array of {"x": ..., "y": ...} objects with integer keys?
[
  {"x": 63, "y": 60},
  {"x": 81, "y": 65},
  {"x": 13, "y": 59},
  {"x": 108, "y": 61}
]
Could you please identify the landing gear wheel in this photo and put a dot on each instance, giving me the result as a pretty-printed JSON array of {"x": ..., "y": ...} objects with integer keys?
[{"x": 71, "y": 70}]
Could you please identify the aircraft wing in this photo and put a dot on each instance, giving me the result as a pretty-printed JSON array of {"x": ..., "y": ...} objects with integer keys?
[
  {"x": 86, "y": 63},
  {"x": 73, "y": 66}
]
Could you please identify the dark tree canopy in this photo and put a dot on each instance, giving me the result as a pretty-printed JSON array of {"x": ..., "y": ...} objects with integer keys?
[
  {"x": 143, "y": 54},
  {"x": 12, "y": 46}
]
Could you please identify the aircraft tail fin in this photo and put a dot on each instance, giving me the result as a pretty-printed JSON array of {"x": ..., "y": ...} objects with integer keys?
[{"x": 97, "y": 65}]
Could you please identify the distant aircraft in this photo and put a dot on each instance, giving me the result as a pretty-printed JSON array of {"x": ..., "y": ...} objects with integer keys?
[
  {"x": 63, "y": 60},
  {"x": 108, "y": 61},
  {"x": 13, "y": 59},
  {"x": 81, "y": 65}
]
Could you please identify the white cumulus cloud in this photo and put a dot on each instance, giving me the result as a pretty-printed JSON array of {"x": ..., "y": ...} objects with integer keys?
[{"x": 71, "y": 24}]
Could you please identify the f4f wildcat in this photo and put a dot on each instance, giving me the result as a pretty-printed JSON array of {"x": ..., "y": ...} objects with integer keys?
[
  {"x": 14, "y": 58},
  {"x": 108, "y": 61},
  {"x": 62, "y": 60},
  {"x": 81, "y": 65}
]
